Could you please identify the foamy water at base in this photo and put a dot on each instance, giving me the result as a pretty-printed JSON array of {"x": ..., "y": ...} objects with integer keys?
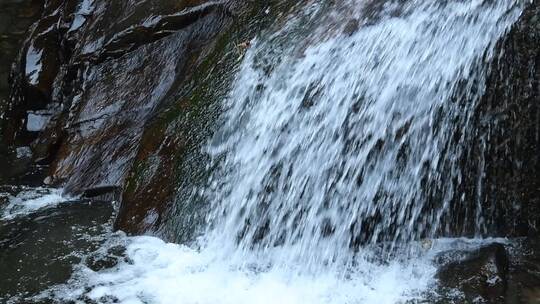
[{"x": 159, "y": 272}]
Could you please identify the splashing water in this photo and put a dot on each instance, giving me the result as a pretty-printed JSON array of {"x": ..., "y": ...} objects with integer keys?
[
  {"x": 29, "y": 200},
  {"x": 330, "y": 136}
]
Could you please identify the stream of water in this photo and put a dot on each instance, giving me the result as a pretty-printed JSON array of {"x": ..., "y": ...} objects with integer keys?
[{"x": 329, "y": 137}]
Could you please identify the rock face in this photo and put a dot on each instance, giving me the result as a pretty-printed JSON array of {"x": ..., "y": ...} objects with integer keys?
[
  {"x": 511, "y": 127},
  {"x": 16, "y": 18},
  {"x": 92, "y": 73},
  {"x": 117, "y": 98},
  {"x": 101, "y": 84},
  {"x": 501, "y": 166}
]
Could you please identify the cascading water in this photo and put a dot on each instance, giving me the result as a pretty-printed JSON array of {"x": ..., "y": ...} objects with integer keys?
[
  {"x": 333, "y": 142},
  {"x": 330, "y": 136}
]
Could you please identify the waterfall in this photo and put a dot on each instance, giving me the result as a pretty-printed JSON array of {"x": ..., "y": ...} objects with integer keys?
[
  {"x": 340, "y": 121},
  {"x": 330, "y": 137}
]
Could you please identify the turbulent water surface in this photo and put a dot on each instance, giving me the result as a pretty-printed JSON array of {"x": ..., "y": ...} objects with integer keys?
[{"x": 337, "y": 122}]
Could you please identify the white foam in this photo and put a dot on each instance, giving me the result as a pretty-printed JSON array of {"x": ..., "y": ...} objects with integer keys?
[
  {"x": 30, "y": 200},
  {"x": 162, "y": 272}
]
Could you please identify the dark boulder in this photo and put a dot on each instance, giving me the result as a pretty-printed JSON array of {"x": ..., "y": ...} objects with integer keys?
[
  {"x": 482, "y": 276},
  {"x": 494, "y": 273}
]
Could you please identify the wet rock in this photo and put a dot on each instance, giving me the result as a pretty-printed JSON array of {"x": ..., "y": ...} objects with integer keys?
[
  {"x": 72, "y": 40},
  {"x": 15, "y": 19},
  {"x": 481, "y": 277},
  {"x": 34, "y": 73},
  {"x": 152, "y": 29},
  {"x": 169, "y": 163},
  {"x": 79, "y": 59},
  {"x": 500, "y": 180},
  {"x": 495, "y": 273},
  {"x": 106, "y": 120}
]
